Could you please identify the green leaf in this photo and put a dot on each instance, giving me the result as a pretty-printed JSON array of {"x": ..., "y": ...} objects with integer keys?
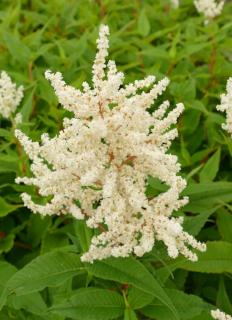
[
  {"x": 204, "y": 196},
  {"x": 187, "y": 306},
  {"x": 8, "y": 163},
  {"x": 184, "y": 90},
  {"x": 223, "y": 301},
  {"x": 7, "y": 314},
  {"x": 37, "y": 228},
  {"x": 19, "y": 51},
  {"x": 210, "y": 169},
  {"x": 138, "y": 298},
  {"x": 6, "y": 272},
  {"x": 129, "y": 314},
  {"x": 199, "y": 105},
  {"x": 50, "y": 269},
  {"x": 27, "y": 106},
  {"x": 191, "y": 119},
  {"x": 185, "y": 155},
  {"x": 193, "y": 48},
  {"x": 91, "y": 304},
  {"x": 7, "y": 243},
  {"x": 194, "y": 224},
  {"x": 32, "y": 302},
  {"x": 143, "y": 24},
  {"x": 203, "y": 316},
  {"x": 224, "y": 223},
  {"x": 84, "y": 234},
  {"x": 53, "y": 241},
  {"x": 155, "y": 187},
  {"x": 216, "y": 259},
  {"x": 6, "y": 208},
  {"x": 5, "y": 134},
  {"x": 131, "y": 271}
]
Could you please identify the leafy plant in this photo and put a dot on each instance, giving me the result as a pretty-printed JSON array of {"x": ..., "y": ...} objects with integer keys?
[{"x": 41, "y": 275}]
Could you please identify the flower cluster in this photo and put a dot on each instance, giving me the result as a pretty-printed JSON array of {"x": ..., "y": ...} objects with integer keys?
[
  {"x": 209, "y": 8},
  {"x": 175, "y": 3},
  {"x": 10, "y": 96},
  {"x": 97, "y": 167},
  {"x": 226, "y": 106},
  {"x": 219, "y": 315},
  {"x": 18, "y": 118}
]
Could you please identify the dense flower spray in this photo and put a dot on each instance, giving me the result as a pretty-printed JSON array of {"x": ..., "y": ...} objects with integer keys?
[
  {"x": 96, "y": 168},
  {"x": 226, "y": 106},
  {"x": 10, "y": 96},
  {"x": 175, "y": 3},
  {"x": 209, "y": 8},
  {"x": 219, "y": 315}
]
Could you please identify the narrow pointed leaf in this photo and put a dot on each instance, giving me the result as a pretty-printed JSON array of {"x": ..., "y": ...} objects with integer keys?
[
  {"x": 131, "y": 271},
  {"x": 92, "y": 304},
  {"x": 50, "y": 269},
  {"x": 216, "y": 259}
]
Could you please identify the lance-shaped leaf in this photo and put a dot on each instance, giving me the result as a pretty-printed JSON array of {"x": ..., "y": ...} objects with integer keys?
[{"x": 131, "y": 271}]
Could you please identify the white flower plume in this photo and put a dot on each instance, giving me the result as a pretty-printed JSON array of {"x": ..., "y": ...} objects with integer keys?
[
  {"x": 226, "y": 106},
  {"x": 175, "y": 4},
  {"x": 96, "y": 168},
  {"x": 10, "y": 96},
  {"x": 209, "y": 8},
  {"x": 219, "y": 315}
]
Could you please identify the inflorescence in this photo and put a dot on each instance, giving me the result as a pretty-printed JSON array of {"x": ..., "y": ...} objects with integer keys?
[
  {"x": 10, "y": 96},
  {"x": 209, "y": 8},
  {"x": 219, "y": 315},
  {"x": 96, "y": 168},
  {"x": 226, "y": 106}
]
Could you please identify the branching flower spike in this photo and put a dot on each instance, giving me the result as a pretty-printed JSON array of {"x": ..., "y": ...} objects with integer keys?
[
  {"x": 219, "y": 315},
  {"x": 97, "y": 167},
  {"x": 209, "y": 8},
  {"x": 226, "y": 106},
  {"x": 175, "y": 4},
  {"x": 10, "y": 96}
]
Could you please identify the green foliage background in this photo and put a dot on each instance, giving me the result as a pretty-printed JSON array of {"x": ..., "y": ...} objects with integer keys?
[{"x": 41, "y": 276}]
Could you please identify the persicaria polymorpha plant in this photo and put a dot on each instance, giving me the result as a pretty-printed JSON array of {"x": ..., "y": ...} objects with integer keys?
[{"x": 96, "y": 168}]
